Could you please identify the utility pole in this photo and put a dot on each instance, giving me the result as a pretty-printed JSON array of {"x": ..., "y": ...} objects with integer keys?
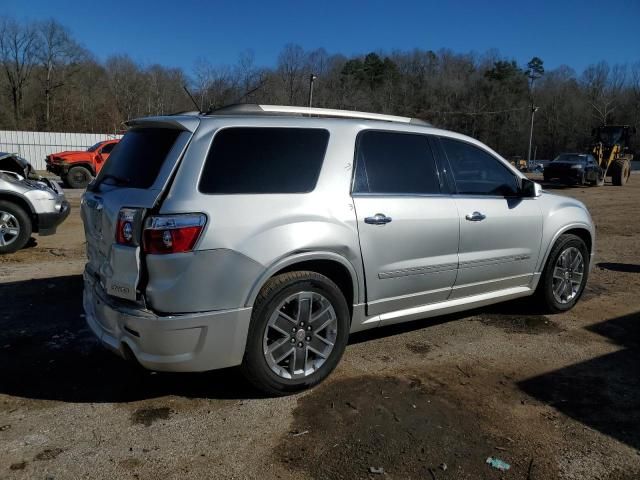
[
  {"x": 535, "y": 70},
  {"x": 312, "y": 77},
  {"x": 534, "y": 109}
]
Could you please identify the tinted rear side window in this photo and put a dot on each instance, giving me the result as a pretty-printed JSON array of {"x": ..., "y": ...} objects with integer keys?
[
  {"x": 136, "y": 160},
  {"x": 395, "y": 163},
  {"x": 264, "y": 160}
]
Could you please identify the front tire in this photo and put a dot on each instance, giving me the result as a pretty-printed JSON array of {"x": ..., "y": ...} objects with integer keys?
[
  {"x": 565, "y": 274},
  {"x": 298, "y": 332},
  {"x": 15, "y": 227},
  {"x": 620, "y": 171},
  {"x": 79, "y": 177}
]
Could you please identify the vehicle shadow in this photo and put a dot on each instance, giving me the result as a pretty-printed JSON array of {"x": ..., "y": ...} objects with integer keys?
[
  {"x": 604, "y": 392},
  {"x": 620, "y": 267},
  {"x": 47, "y": 352}
]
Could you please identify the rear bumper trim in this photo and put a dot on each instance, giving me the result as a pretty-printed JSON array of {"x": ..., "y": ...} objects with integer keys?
[{"x": 179, "y": 343}]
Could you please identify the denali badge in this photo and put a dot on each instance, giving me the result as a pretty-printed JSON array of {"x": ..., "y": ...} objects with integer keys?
[{"x": 120, "y": 290}]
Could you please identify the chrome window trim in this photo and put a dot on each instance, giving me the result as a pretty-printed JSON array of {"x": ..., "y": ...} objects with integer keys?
[{"x": 401, "y": 195}]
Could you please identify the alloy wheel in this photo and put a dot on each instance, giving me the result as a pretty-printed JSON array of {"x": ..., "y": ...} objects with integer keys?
[
  {"x": 9, "y": 228},
  {"x": 300, "y": 335},
  {"x": 568, "y": 273}
]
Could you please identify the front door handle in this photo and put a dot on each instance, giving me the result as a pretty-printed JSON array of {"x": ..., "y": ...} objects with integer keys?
[
  {"x": 475, "y": 217},
  {"x": 377, "y": 219}
]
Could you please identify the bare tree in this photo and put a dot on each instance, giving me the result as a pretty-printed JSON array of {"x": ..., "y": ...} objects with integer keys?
[
  {"x": 18, "y": 50},
  {"x": 126, "y": 82},
  {"x": 60, "y": 57},
  {"x": 291, "y": 63}
]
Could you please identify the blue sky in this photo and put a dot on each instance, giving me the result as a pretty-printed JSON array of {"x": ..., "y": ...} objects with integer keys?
[{"x": 177, "y": 33}]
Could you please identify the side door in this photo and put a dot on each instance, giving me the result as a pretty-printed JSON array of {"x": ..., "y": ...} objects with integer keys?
[
  {"x": 407, "y": 222},
  {"x": 500, "y": 230}
]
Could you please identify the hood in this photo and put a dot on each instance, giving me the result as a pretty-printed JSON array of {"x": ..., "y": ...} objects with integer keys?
[
  {"x": 11, "y": 162},
  {"x": 72, "y": 156}
]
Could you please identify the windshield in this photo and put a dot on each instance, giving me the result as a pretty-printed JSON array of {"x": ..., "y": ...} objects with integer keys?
[
  {"x": 93, "y": 148},
  {"x": 571, "y": 158},
  {"x": 610, "y": 136}
]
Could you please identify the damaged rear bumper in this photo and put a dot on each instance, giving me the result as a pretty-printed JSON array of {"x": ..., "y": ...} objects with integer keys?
[{"x": 179, "y": 343}]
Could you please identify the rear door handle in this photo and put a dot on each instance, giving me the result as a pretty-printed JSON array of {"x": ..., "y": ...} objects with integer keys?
[
  {"x": 377, "y": 219},
  {"x": 475, "y": 217}
]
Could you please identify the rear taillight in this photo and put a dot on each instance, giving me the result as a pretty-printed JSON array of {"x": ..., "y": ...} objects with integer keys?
[
  {"x": 172, "y": 233},
  {"x": 126, "y": 231}
]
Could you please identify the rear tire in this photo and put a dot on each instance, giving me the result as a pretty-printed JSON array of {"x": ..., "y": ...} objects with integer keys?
[
  {"x": 279, "y": 336},
  {"x": 15, "y": 227},
  {"x": 620, "y": 171},
  {"x": 79, "y": 177},
  {"x": 568, "y": 265}
]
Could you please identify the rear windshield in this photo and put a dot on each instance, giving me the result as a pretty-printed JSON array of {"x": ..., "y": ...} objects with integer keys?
[
  {"x": 264, "y": 160},
  {"x": 138, "y": 157}
]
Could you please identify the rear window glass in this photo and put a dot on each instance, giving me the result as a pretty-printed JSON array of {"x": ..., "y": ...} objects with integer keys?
[
  {"x": 395, "y": 163},
  {"x": 264, "y": 160},
  {"x": 136, "y": 160}
]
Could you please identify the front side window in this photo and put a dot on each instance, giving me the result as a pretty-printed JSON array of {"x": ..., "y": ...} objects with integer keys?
[
  {"x": 395, "y": 163},
  {"x": 264, "y": 160},
  {"x": 108, "y": 147},
  {"x": 476, "y": 172}
]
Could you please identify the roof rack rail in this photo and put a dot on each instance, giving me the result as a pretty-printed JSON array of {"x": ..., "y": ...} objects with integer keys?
[{"x": 255, "y": 109}]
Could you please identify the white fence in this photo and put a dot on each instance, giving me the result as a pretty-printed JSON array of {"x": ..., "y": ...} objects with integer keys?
[{"x": 35, "y": 146}]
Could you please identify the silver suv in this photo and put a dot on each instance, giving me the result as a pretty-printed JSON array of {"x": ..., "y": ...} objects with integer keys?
[
  {"x": 263, "y": 236},
  {"x": 29, "y": 203}
]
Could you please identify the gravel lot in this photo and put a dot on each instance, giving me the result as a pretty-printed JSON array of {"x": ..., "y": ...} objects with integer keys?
[{"x": 554, "y": 396}]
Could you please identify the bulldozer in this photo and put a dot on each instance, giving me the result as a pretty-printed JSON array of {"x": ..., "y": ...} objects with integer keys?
[
  {"x": 519, "y": 162},
  {"x": 611, "y": 150}
]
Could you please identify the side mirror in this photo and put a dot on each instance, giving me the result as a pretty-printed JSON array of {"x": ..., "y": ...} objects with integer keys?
[{"x": 530, "y": 189}]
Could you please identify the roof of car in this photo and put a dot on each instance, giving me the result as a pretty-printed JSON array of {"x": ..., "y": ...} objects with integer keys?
[{"x": 251, "y": 109}]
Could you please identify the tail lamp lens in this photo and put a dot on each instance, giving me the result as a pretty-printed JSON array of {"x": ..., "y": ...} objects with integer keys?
[
  {"x": 172, "y": 233},
  {"x": 125, "y": 226}
]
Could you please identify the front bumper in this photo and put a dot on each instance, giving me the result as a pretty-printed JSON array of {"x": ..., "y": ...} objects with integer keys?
[
  {"x": 179, "y": 343},
  {"x": 569, "y": 175},
  {"x": 48, "y": 222},
  {"x": 59, "y": 169}
]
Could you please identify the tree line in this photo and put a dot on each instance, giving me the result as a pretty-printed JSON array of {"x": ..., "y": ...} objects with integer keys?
[{"x": 48, "y": 81}]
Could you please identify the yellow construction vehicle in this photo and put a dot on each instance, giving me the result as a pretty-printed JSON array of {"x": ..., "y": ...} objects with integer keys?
[
  {"x": 611, "y": 151},
  {"x": 519, "y": 162}
]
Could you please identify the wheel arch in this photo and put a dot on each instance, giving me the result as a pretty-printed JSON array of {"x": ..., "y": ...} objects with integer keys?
[
  {"x": 84, "y": 164},
  {"x": 24, "y": 204},
  {"x": 581, "y": 230},
  {"x": 330, "y": 264}
]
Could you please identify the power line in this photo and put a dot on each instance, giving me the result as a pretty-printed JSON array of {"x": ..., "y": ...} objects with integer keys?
[{"x": 492, "y": 112}]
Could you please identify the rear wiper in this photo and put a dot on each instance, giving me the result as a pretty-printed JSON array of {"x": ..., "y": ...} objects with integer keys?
[{"x": 118, "y": 180}]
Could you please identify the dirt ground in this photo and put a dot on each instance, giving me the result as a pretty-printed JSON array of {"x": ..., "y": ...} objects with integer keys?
[{"x": 553, "y": 396}]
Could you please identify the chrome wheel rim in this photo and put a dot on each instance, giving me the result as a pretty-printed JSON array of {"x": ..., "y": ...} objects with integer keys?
[
  {"x": 568, "y": 273},
  {"x": 9, "y": 228},
  {"x": 300, "y": 335}
]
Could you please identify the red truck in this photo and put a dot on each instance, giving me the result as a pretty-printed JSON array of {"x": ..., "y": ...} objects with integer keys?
[{"x": 77, "y": 169}]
